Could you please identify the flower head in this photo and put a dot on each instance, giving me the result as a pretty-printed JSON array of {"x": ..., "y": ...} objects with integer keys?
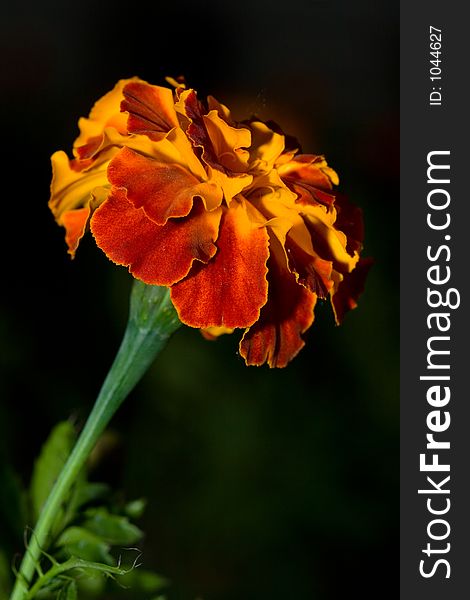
[{"x": 246, "y": 231}]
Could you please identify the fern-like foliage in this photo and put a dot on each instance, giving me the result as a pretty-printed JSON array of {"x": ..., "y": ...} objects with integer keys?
[{"x": 92, "y": 550}]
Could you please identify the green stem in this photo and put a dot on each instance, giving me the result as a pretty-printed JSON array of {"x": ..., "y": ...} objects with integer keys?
[
  {"x": 152, "y": 319},
  {"x": 71, "y": 563}
]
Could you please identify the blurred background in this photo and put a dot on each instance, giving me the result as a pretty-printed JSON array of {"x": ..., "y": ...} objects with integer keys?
[{"x": 260, "y": 484}]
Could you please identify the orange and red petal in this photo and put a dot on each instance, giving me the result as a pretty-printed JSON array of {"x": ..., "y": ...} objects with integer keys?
[
  {"x": 349, "y": 289},
  {"x": 231, "y": 289},
  {"x": 311, "y": 169},
  {"x": 74, "y": 183},
  {"x": 75, "y": 223},
  {"x": 327, "y": 241},
  {"x": 310, "y": 178},
  {"x": 192, "y": 111},
  {"x": 189, "y": 106},
  {"x": 213, "y": 333},
  {"x": 105, "y": 113},
  {"x": 151, "y": 109},
  {"x": 308, "y": 194},
  {"x": 266, "y": 148},
  {"x": 313, "y": 272},
  {"x": 89, "y": 148},
  {"x": 222, "y": 110},
  {"x": 162, "y": 190},
  {"x": 157, "y": 255},
  {"x": 229, "y": 142},
  {"x": 276, "y": 338},
  {"x": 349, "y": 220}
]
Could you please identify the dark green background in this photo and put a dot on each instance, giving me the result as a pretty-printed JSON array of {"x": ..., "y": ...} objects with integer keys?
[{"x": 261, "y": 484}]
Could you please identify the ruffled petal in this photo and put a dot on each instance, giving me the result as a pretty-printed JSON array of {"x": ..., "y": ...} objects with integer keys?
[
  {"x": 309, "y": 268},
  {"x": 110, "y": 139},
  {"x": 348, "y": 289},
  {"x": 229, "y": 142},
  {"x": 349, "y": 220},
  {"x": 231, "y": 185},
  {"x": 173, "y": 148},
  {"x": 178, "y": 83},
  {"x": 231, "y": 289},
  {"x": 328, "y": 242},
  {"x": 266, "y": 148},
  {"x": 72, "y": 188},
  {"x": 105, "y": 113},
  {"x": 310, "y": 177},
  {"x": 179, "y": 142},
  {"x": 157, "y": 255},
  {"x": 163, "y": 190},
  {"x": 213, "y": 333},
  {"x": 269, "y": 188},
  {"x": 151, "y": 109},
  {"x": 312, "y": 271},
  {"x": 308, "y": 194},
  {"x": 277, "y": 336},
  {"x": 311, "y": 169},
  {"x": 192, "y": 112},
  {"x": 222, "y": 110},
  {"x": 75, "y": 222}
]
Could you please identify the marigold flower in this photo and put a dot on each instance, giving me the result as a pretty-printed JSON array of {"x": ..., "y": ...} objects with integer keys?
[{"x": 246, "y": 231}]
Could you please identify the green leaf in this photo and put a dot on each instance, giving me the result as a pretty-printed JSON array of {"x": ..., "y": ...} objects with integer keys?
[
  {"x": 72, "y": 503},
  {"x": 140, "y": 580},
  {"x": 135, "y": 509},
  {"x": 114, "y": 529},
  {"x": 82, "y": 494},
  {"x": 81, "y": 543},
  {"x": 90, "y": 492},
  {"x": 47, "y": 467},
  {"x": 68, "y": 592},
  {"x": 91, "y": 583}
]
